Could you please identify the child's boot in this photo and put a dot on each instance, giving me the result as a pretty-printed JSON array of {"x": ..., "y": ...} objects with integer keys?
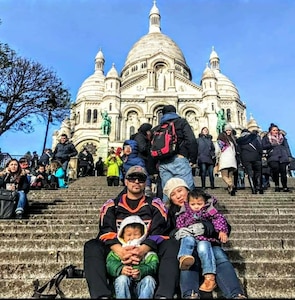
[
  {"x": 209, "y": 283},
  {"x": 186, "y": 261}
]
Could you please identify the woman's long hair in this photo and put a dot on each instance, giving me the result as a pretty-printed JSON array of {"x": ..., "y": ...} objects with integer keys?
[{"x": 19, "y": 172}]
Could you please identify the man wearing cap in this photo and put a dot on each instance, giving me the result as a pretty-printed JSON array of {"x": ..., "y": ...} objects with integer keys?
[
  {"x": 131, "y": 201},
  {"x": 186, "y": 150}
]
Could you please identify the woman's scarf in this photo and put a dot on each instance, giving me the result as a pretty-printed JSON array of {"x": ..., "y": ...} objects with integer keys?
[{"x": 275, "y": 139}]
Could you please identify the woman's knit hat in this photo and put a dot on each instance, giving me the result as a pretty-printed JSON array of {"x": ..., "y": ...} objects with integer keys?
[
  {"x": 227, "y": 127},
  {"x": 173, "y": 183}
]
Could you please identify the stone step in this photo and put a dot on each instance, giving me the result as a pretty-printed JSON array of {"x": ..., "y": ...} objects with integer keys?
[
  {"x": 244, "y": 269},
  {"x": 27, "y": 234},
  {"x": 68, "y": 244},
  {"x": 73, "y": 255},
  {"x": 94, "y": 218},
  {"x": 257, "y": 287},
  {"x": 267, "y": 228}
]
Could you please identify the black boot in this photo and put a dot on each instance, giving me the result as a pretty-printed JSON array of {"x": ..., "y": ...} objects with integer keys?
[
  {"x": 252, "y": 185},
  {"x": 259, "y": 186}
]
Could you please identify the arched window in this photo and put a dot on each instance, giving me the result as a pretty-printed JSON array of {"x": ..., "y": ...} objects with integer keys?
[
  {"x": 110, "y": 107},
  {"x": 88, "y": 116},
  {"x": 95, "y": 116},
  {"x": 212, "y": 106},
  {"x": 228, "y": 115}
]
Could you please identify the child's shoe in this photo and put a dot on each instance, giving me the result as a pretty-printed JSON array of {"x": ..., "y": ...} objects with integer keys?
[
  {"x": 209, "y": 283},
  {"x": 186, "y": 261}
]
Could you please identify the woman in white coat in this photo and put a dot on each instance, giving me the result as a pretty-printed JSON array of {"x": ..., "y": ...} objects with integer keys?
[{"x": 226, "y": 157}]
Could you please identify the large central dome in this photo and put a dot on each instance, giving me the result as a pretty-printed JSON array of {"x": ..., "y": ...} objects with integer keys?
[
  {"x": 154, "y": 42},
  {"x": 151, "y": 44}
]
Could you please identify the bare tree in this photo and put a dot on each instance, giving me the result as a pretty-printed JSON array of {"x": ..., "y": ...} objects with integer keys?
[{"x": 28, "y": 92}]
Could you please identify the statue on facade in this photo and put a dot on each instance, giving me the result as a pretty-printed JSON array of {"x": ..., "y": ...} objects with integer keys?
[
  {"x": 161, "y": 80},
  {"x": 106, "y": 123},
  {"x": 220, "y": 121}
]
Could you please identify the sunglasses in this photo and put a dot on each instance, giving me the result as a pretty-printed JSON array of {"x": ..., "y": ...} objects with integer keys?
[{"x": 140, "y": 179}]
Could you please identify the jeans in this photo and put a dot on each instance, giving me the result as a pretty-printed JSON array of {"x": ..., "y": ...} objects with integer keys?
[
  {"x": 95, "y": 253},
  {"x": 204, "y": 168},
  {"x": 177, "y": 167},
  {"x": 205, "y": 253},
  {"x": 22, "y": 201},
  {"x": 127, "y": 288},
  {"x": 226, "y": 277}
]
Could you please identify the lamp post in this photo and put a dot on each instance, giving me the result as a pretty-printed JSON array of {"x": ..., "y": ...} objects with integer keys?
[{"x": 51, "y": 104}]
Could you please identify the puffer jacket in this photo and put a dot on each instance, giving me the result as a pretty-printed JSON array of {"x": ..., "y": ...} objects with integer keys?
[
  {"x": 280, "y": 153},
  {"x": 132, "y": 159}
]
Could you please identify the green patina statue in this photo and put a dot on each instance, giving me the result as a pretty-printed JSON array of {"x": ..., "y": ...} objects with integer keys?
[
  {"x": 220, "y": 121},
  {"x": 106, "y": 123}
]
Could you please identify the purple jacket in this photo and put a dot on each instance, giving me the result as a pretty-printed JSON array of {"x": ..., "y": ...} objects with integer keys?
[{"x": 188, "y": 217}]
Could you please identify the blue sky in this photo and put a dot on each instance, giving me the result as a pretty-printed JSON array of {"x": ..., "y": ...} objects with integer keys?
[{"x": 254, "y": 39}]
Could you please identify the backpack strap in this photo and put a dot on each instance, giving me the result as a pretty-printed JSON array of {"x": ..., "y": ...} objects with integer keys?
[{"x": 68, "y": 272}]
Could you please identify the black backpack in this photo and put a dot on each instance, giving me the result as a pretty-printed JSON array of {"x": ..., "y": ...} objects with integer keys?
[{"x": 164, "y": 141}]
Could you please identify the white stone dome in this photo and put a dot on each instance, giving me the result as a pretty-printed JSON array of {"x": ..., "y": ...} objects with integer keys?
[
  {"x": 225, "y": 86},
  {"x": 208, "y": 73},
  {"x": 112, "y": 73},
  {"x": 92, "y": 88},
  {"x": 151, "y": 44}
]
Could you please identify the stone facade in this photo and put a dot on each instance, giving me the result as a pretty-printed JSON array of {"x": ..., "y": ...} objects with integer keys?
[{"x": 155, "y": 74}]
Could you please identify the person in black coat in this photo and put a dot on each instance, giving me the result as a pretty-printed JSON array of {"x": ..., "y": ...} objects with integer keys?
[
  {"x": 250, "y": 150},
  {"x": 206, "y": 156},
  {"x": 63, "y": 151},
  {"x": 278, "y": 155}
]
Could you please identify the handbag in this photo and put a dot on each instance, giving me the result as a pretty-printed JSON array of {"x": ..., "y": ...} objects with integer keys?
[{"x": 8, "y": 200}]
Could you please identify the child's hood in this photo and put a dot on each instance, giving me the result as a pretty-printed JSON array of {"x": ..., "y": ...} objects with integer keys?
[
  {"x": 132, "y": 220},
  {"x": 133, "y": 145}
]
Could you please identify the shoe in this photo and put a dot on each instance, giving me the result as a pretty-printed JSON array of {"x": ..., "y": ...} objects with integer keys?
[
  {"x": 277, "y": 189},
  {"x": 19, "y": 215},
  {"x": 209, "y": 283},
  {"x": 233, "y": 192},
  {"x": 193, "y": 295},
  {"x": 286, "y": 190},
  {"x": 186, "y": 261},
  {"x": 240, "y": 296}
]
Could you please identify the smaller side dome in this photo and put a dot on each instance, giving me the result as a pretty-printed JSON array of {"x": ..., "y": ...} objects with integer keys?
[
  {"x": 112, "y": 73},
  {"x": 208, "y": 73},
  {"x": 213, "y": 54},
  {"x": 99, "y": 55}
]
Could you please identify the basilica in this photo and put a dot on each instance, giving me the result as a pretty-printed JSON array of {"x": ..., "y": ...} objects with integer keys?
[{"x": 155, "y": 73}]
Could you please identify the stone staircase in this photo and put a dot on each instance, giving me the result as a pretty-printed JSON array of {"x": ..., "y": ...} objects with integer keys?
[{"x": 261, "y": 247}]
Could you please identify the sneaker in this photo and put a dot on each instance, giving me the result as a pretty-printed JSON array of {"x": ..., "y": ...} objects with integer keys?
[
  {"x": 19, "y": 215},
  {"x": 193, "y": 295},
  {"x": 286, "y": 190},
  {"x": 186, "y": 261},
  {"x": 240, "y": 296}
]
